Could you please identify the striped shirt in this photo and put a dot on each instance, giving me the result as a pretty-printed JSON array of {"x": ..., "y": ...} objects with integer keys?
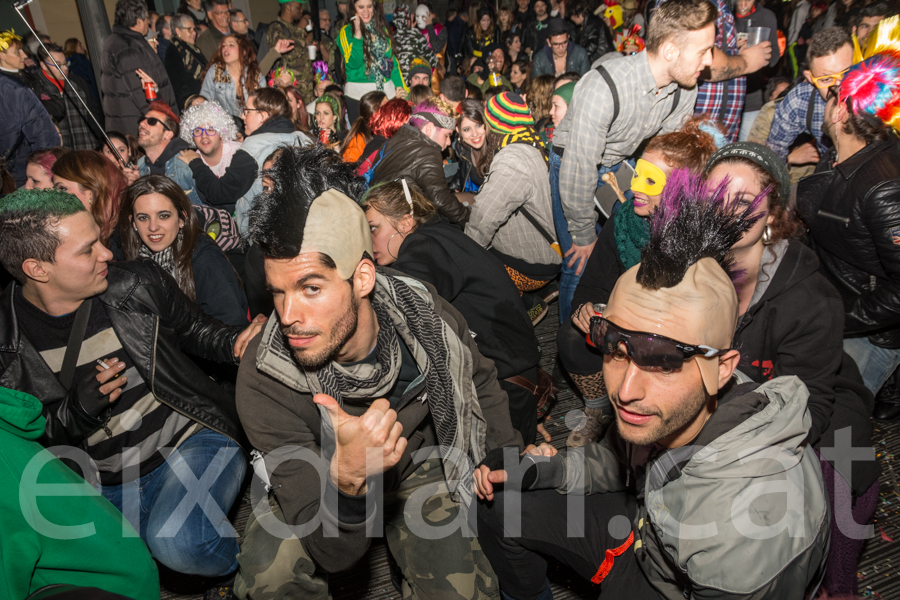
[{"x": 138, "y": 425}]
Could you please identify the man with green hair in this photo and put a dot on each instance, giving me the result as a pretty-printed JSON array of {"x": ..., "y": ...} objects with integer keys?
[
  {"x": 297, "y": 60},
  {"x": 105, "y": 347}
]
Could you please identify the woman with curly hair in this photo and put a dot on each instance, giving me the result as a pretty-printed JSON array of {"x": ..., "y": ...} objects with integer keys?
[
  {"x": 232, "y": 74},
  {"x": 98, "y": 183},
  {"x": 369, "y": 61}
]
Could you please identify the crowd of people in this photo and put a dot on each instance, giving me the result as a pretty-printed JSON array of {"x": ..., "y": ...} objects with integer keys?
[{"x": 309, "y": 259}]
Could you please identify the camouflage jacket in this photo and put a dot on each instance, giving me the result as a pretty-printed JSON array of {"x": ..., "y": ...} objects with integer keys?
[{"x": 297, "y": 60}]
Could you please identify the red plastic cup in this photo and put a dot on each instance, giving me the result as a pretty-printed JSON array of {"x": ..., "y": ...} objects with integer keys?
[
  {"x": 324, "y": 136},
  {"x": 149, "y": 92}
]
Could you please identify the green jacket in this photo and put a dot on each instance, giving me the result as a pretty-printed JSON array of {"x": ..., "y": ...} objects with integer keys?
[
  {"x": 102, "y": 549},
  {"x": 355, "y": 62}
]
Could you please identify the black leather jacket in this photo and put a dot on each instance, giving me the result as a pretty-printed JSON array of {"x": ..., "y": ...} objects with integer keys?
[
  {"x": 157, "y": 325},
  {"x": 594, "y": 37},
  {"x": 853, "y": 214},
  {"x": 411, "y": 153}
]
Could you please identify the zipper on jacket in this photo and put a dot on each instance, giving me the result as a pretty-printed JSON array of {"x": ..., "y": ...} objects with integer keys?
[
  {"x": 834, "y": 217},
  {"x": 153, "y": 386}
]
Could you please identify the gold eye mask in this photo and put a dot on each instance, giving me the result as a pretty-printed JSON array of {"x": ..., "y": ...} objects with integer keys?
[{"x": 648, "y": 178}]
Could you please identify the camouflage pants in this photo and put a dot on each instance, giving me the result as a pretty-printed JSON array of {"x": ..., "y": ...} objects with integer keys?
[{"x": 450, "y": 568}]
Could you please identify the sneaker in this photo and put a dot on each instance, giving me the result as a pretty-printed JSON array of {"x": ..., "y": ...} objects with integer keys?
[
  {"x": 537, "y": 312},
  {"x": 549, "y": 292},
  {"x": 590, "y": 429}
]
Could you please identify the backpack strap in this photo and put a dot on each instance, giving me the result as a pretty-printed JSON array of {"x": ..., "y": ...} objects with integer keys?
[
  {"x": 524, "y": 212},
  {"x": 612, "y": 88},
  {"x": 675, "y": 100}
]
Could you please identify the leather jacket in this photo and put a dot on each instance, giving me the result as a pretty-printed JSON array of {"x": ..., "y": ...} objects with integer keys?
[
  {"x": 157, "y": 326},
  {"x": 853, "y": 214},
  {"x": 411, "y": 153},
  {"x": 593, "y": 35}
]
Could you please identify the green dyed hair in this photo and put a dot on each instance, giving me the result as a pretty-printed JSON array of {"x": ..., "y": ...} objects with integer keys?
[
  {"x": 335, "y": 105},
  {"x": 28, "y": 226}
]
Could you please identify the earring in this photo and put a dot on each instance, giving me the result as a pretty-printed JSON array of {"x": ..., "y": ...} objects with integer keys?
[{"x": 767, "y": 236}]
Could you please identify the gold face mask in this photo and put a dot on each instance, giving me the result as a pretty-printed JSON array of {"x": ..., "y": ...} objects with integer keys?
[{"x": 648, "y": 178}]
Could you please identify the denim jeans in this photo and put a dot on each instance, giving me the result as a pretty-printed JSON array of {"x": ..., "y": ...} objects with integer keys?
[
  {"x": 875, "y": 363},
  {"x": 180, "y": 508},
  {"x": 568, "y": 279}
]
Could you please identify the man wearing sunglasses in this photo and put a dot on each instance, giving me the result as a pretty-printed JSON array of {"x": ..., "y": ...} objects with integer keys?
[
  {"x": 668, "y": 504},
  {"x": 158, "y": 136},
  {"x": 830, "y": 54}
]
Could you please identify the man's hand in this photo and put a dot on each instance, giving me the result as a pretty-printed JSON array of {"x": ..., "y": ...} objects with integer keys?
[
  {"x": 365, "y": 446},
  {"x": 96, "y": 391},
  {"x": 466, "y": 198},
  {"x": 756, "y": 57},
  {"x": 284, "y": 46},
  {"x": 146, "y": 78},
  {"x": 400, "y": 93},
  {"x": 110, "y": 383},
  {"x": 131, "y": 174},
  {"x": 542, "y": 450},
  {"x": 804, "y": 154},
  {"x": 485, "y": 480},
  {"x": 186, "y": 156},
  {"x": 240, "y": 344},
  {"x": 579, "y": 254},
  {"x": 581, "y": 318}
]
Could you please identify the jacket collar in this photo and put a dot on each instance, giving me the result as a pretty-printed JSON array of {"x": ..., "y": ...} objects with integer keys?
[
  {"x": 276, "y": 124},
  {"x": 127, "y": 32},
  {"x": 849, "y": 167}
]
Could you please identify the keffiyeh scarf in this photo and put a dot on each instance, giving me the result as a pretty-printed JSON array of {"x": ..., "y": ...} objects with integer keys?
[{"x": 405, "y": 312}]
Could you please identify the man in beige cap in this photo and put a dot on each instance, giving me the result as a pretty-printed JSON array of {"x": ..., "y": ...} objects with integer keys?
[
  {"x": 687, "y": 495},
  {"x": 391, "y": 367}
]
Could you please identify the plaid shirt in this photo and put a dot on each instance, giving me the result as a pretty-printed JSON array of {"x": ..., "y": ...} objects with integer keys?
[
  {"x": 710, "y": 93},
  {"x": 518, "y": 179},
  {"x": 591, "y": 138},
  {"x": 790, "y": 120}
]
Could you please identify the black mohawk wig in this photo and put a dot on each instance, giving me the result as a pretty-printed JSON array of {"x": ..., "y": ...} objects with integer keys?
[
  {"x": 693, "y": 221},
  {"x": 299, "y": 176}
]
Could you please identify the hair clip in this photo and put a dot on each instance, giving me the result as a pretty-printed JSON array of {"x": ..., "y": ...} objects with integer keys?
[{"x": 408, "y": 197}]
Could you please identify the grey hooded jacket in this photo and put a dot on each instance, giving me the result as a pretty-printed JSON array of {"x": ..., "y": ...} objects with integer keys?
[{"x": 742, "y": 512}]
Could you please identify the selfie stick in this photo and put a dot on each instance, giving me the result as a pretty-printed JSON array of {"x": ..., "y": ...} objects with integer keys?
[{"x": 19, "y": 5}]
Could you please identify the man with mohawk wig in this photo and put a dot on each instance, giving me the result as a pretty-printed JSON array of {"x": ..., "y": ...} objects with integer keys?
[
  {"x": 852, "y": 208},
  {"x": 671, "y": 503}
]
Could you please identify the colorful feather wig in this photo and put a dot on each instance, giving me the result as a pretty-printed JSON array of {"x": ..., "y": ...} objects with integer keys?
[{"x": 873, "y": 87}]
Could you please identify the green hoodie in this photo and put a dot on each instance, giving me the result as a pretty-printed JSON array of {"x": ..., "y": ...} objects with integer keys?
[{"x": 104, "y": 550}]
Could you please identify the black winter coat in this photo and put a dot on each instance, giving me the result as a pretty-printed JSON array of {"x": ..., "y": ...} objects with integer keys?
[
  {"x": 594, "y": 37},
  {"x": 125, "y": 51},
  {"x": 158, "y": 327},
  {"x": 795, "y": 329},
  {"x": 184, "y": 65},
  {"x": 853, "y": 214},
  {"x": 218, "y": 290},
  {"x": 411, "y": 153},
  {"x": 474, "y": 47},
  {"x": 25, "y": 128},
  {"x": 476, "y": 283}
]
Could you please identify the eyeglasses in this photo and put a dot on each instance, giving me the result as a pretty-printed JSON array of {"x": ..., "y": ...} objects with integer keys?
[
  {"x": 559, "y": 44},
  {"x": 645, "y": 349},
  {"x": 153, "y": 122},
  {"x": 219, "y": 13},
  {"x": 62, "y": 63},
  {"x": 246, "y": 110},
  {"x": 209, "y": 131},
  {"x": 826, "y": 81},
  {"x": 186, "y": 28}
]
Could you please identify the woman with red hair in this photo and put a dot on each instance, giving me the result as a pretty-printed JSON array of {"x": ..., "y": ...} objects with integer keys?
[
  {"x": 232, "y": 73},
  {"x": 39, "y": 168},
  {"x": 384, "y": 123},
  {"x": 98, "y": 183}
]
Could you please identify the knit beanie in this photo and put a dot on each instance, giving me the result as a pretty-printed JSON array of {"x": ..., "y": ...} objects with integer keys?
[
  {"x": 762, "y": 156},
  {"x": 507, "y": 112},
  {"x": 565, "y": 92}
]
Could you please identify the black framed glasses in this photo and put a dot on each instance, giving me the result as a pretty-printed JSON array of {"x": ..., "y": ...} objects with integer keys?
[
  {"x": 153, "y": 122},
  {"x": 645, "y": 349}
]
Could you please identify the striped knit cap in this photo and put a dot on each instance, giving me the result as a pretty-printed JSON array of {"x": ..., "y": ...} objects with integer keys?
[{"x": 507, "y": 113}]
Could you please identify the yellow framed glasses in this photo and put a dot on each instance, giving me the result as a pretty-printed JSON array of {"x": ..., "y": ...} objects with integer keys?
[{"x": 826, "y": 81}]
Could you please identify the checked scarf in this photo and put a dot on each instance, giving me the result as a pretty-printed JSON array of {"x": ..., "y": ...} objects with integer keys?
[{"x": 406, "y": 312}]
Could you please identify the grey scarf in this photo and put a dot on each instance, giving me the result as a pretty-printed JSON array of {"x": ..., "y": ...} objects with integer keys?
[
  {"x": 405, "y": 311},
  {"x": 164, "y": 258}
]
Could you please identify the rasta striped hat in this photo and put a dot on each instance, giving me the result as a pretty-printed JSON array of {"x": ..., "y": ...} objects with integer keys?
[{"x": 507, "y": 113}]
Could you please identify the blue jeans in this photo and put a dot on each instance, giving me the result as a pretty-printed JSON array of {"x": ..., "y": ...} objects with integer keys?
[
  {"x": 568, "y": 279},
  {"x": 875, "y": 363},
  {"x": 192, "y": 537}
]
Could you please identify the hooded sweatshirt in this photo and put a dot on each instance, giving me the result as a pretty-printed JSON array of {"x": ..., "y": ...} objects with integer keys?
[
  {"x": 78, "y": 538},
  {"x": 794, "y": 326},
  {"x": 740, "y": 512}
]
